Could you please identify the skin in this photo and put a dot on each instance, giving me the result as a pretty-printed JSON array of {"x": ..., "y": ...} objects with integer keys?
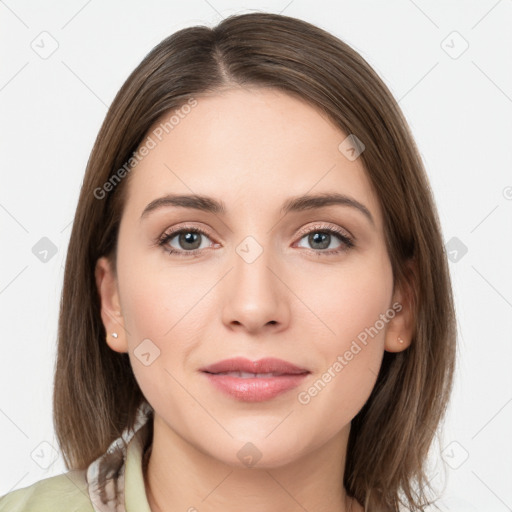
[{"x": 253, "y": 149}]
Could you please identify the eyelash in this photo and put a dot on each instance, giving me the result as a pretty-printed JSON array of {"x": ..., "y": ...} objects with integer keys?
[{"x": 347, "y": 241}]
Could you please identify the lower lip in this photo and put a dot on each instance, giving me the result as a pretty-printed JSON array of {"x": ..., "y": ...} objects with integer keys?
[{"x": 255, "y": 389}]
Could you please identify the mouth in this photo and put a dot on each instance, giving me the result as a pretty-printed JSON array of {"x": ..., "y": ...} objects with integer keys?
[
  {"x": 256, "y": 381},
  {"x": 248, "y": 375},
  {"x": 263, "y": 366}
]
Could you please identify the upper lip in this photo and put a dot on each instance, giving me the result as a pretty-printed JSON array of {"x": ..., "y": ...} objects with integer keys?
[{"x": 265, "y": 365}]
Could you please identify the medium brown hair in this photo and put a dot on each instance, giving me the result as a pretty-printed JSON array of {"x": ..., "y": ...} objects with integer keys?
[{"x": 95, "y": 392}]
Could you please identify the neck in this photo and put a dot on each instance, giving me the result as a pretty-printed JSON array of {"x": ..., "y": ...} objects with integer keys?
[{"x": 181, "y": 477}]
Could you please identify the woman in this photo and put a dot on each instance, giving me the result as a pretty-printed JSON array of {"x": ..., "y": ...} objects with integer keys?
[{"x": 257, "y": 310}]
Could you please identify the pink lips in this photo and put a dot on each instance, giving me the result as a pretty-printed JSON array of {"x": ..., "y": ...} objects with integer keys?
[{"x": 255, "y": 389}]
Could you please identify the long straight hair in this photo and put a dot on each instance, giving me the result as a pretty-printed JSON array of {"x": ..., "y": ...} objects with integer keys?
[{"x": 95, "y": 391}]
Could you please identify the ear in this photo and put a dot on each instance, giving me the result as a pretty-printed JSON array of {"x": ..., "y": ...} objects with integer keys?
[
  {"x": 111, "y": 315},
  {"x": 400, "y": 329}
]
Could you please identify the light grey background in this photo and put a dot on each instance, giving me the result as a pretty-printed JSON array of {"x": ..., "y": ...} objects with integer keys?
[{"x": 457, "y": 100}]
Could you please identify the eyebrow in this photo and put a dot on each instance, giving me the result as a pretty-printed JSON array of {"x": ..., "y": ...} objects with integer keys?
[{"x": 293, "y": 204}]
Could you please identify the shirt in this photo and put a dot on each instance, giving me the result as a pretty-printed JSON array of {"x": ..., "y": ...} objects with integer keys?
[{"x": 114, "y": 482}]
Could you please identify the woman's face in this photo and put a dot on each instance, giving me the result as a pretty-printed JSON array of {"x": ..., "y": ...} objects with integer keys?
[{"x": 261, "y": 283}]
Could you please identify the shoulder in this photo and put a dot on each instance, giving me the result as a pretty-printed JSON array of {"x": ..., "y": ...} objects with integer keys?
[{"x": 61, "y": 493}]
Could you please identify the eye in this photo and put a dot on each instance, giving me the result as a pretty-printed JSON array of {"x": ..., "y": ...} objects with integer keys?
[
  {"x": 188, "y": 239},
  {"x": 321, "y": 237}
]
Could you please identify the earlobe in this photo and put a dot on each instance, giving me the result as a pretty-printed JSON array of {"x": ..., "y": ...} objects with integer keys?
[
  {"x": 398, "y": 344},
  {"x": 401, "y": 328},
  {"x": 399, "y": 333},
  {"x": 111, "y": 314}
]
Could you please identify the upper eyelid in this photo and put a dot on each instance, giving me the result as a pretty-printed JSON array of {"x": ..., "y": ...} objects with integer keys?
[
  {"x": 326, "y": 225},
  {"x": 322, "y": 225}
]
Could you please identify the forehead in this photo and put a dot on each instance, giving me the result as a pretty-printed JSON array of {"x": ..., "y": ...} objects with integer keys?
[{"x": 252, "y": 147}]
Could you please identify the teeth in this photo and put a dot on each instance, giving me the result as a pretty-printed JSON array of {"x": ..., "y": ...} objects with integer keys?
[{"x": 247, "y": 375}]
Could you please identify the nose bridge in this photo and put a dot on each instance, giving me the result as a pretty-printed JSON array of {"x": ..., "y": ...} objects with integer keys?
[
  {"x": 252, "y": 262},
  {"x": 255, "y": 296}
]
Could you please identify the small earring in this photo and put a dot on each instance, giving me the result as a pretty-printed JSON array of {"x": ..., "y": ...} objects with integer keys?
[
  {"x": 400, "y": 340},
  {"x": 114, "y": 335}
]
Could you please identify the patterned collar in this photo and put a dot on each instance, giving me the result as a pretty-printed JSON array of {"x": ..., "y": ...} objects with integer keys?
[{"x": 106, "y": 475}]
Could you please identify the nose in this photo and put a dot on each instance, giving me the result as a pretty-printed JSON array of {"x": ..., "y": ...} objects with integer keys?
[{"x": 255, "y": 297}]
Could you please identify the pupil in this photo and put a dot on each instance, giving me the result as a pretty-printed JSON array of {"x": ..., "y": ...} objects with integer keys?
[
  {"x": 321, "y": 238},
  {"x": 190, "y": 238}
]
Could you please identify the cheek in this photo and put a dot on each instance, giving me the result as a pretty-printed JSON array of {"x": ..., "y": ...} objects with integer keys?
[
  {"x": 355, "y": 311},
  {"x": 159, "y": 336},
  {"x": 163, "y": 316},
  {"x": 349, "y": 301},
  {"x": 157, "y": 297}
]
